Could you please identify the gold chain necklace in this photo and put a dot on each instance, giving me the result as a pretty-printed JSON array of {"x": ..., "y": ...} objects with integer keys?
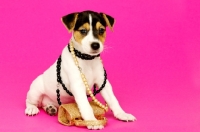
[{"x": 105, "y": 107}]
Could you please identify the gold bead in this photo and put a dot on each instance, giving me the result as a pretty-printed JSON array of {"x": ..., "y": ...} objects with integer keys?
[
  {"x": 93, "y": 98},
  {"x": 90, "y": 92},
  {"x": 71, "y": 49},
  {"x": 88, "y": 89},
  {"x": 106, "y": 109},
  {"x": 101, "y": 105},
  {"x": 86, "y": 84},
  {"x": 84, "y": 78},
  {"x": 98, "y": 103}
]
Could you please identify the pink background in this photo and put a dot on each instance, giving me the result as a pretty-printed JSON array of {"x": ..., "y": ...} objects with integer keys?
[{"x": 152, "y": 59}]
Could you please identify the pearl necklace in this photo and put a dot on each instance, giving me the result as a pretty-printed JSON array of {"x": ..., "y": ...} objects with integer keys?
[
  {"x": 105, "y": 107},
  {"x": 59, "y": 78}
]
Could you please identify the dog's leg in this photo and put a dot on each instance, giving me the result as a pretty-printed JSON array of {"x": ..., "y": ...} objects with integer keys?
[
  {"x": 86, "y": 110},
  {"x": 78, "y": 89},
  {"x": 34, "y": 96},
  {"x": 83, "y": 104},
  {"x": 112, "y": 102}
]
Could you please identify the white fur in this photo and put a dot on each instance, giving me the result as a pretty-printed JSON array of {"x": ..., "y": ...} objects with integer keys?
[{"x": 43, "y": 89}]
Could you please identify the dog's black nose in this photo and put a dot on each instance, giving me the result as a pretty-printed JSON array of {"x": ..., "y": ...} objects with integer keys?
[{"x": 95, "y": 46}]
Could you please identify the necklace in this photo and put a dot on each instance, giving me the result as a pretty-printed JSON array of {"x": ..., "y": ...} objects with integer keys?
[
  {"x": 75, "y": 53},
  {"x": 59, "y": 80},
  {"x": 82, "y": 55}
]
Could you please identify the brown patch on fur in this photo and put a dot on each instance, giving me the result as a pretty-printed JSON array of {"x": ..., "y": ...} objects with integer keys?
[
  {"x": 103, "y": 36},
  {"x": 85, "y": 26},
  {"x": 78, "y": 36},
  {"x": 71, "y": 24},
  {"x": 107, "y": 22}
]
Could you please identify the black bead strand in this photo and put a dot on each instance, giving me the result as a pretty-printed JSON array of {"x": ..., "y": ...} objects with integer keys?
[{"x": 59, "y": 79}]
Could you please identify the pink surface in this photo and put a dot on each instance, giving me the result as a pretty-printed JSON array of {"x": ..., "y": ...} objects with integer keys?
[{"x": 152, "y": 59}]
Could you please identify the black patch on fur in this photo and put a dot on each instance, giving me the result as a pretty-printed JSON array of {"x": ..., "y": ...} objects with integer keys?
[
  {"x": 110, "y": 19},
  {"x": 68, "y": 19},
  {"x": 83, "y": 18},
  {"x": 95, "y": 19}
]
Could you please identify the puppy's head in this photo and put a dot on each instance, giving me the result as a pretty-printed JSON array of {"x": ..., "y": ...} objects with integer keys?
[{"x": 89, "y": 29}]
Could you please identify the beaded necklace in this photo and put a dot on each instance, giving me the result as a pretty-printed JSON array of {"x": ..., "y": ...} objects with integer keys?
[{"x": 77, "y": 53}]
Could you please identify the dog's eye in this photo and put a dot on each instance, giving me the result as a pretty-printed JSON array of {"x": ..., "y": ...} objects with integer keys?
[
  {"x": 101, "y": 31},
  {"x": 83, "y": 31}
]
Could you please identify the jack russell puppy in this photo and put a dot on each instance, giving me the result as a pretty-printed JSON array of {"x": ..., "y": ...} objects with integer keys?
[{"x": 88, "y": 35}]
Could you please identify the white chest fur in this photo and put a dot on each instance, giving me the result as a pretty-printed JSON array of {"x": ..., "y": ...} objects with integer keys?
[{"x": 93, "y": 70}]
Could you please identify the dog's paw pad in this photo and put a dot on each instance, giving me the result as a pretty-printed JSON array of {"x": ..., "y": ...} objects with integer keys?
[
  {"x": 31, "y": 111},
  {"x": 51, "y": 110},
  {"x": 125, "y": 117}
]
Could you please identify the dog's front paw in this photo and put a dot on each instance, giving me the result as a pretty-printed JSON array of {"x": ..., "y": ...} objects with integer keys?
[
  {"x": 94, "y": 124},
  {"x": 31, "y": 110},
  {"x": 125, "y": 117},
  {"x": 95, "y": 127}
]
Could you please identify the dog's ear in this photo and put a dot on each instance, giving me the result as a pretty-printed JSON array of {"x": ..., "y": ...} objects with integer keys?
[
  {"x": 69, "y": 21},
  {"x": 109, "y": 20}
]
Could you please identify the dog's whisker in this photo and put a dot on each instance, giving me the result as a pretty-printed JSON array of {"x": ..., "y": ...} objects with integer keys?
[{"x": 107, "y": 47}]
